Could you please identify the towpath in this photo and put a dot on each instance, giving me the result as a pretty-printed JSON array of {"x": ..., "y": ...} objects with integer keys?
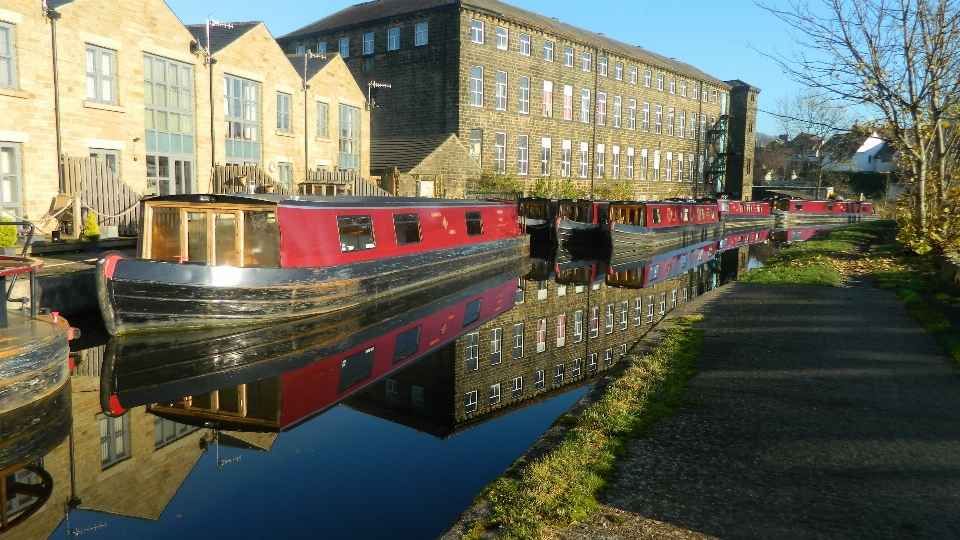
[{"x": 816, "y": 412}]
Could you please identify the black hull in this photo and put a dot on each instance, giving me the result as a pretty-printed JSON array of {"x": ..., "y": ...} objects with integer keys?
[
  {"x": 630, "y": 238},
  {"x": 143, "y": 295},
  {"x": 735, "y": 223},
  {"x": 541, "y": 231},
  {"x": 574, "y": 233}
]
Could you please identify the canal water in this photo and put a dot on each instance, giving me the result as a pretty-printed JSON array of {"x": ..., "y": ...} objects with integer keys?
[{"x": 302, "y": 430}]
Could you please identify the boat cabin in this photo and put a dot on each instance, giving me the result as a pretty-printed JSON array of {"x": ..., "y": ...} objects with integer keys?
[
  {"x": 584, "y": 211},
  {"x": 823, "y": 207},
  {"x": 663, "y": 214},
  {"x": 745, "y": 208}
]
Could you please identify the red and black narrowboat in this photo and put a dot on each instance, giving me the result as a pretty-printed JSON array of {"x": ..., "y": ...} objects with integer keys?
[
  {"x": 537, "y": 217},
  {"x": 790, "y": 213},
  {"x": 639, "y": 274},
  {"x": 800, "y": 234},
  {"x": 581, "y": 223},
  {"x": 273, "y": 378},
  {"x": 639, "y": 225},
  {"x": 216, "y": 260},
  {"x": 743, "y": 238},
  {"x": 740, "y": 214}
]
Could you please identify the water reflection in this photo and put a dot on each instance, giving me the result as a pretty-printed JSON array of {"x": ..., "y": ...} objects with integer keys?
[{"x": 158, "y": 421}]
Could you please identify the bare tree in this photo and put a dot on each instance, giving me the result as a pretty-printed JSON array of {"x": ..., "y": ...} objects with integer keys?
[
  {"x": 899, "y": 58},
  {"x": 811, "y": 116}
]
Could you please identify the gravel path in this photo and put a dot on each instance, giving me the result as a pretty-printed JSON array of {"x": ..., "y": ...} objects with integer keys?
[{"x": 816, "y": 412}]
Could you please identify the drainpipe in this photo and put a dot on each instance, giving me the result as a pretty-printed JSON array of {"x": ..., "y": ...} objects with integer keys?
[{"x": 54, "y": 15}]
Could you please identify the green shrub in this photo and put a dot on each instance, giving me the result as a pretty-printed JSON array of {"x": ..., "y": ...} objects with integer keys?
[
  {"x": 91, "y": 230},
  {"x": 8, "y": 234}
]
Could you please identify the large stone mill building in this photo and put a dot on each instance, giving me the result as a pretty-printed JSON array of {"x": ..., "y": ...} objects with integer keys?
[{"x": 530, "y": 96}]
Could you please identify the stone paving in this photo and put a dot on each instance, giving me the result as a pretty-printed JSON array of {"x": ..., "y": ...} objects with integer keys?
[{"x": 816, "y": 412}]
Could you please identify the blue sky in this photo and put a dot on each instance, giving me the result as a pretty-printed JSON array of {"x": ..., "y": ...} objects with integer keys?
[{"x": 720, "y": 37}]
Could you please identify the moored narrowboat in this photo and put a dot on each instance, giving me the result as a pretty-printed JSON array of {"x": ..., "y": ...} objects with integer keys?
[
  {"x": 790, "y": 213},
  {"x": 217, "y": 260},
  {"x": 640, "y": 225},
  {"x": 630, "y": 273},
  {"x": 580, "y": 222},
  {"x": 537, "y": 217},
  {"x": 741, "y": 238},
  {"x": 740, "y": 214}
]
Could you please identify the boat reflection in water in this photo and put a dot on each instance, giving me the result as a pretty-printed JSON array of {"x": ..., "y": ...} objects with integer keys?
[{"x": 802, "y": 234}]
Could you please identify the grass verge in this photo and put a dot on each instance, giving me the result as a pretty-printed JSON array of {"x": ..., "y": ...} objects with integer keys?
[{"x": 536, "y": 498}]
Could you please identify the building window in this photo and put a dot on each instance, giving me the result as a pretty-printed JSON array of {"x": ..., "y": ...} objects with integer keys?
[
  {"x": 618, "y": 71},
  {"x": 476, "y": 31},
  {"x": 349, "y": 138},
  {"x": 541, "y": 336},
  {"x": 577, "y": 326},
  {"x": 600, "y": 158},
  {"x": 601, "y": 108},
  {"x": 417, "y": 396},
  {"x": 472, "y": 351},
  {"x": 502, "y": 38},
  {"x": 673, "y": 299},
  {"x": 594, "y": 322},
  {"x": 632, "y": 114},
  {"x": 114, "y": 440},
  {"x": 624, "y": 308},
  {"x": 548, "y": 51},
  {"x": 558, "y": 373},
  {"x": 169, "y": 121},
  {"x": 683, "y": 88},
  {"x": 586, "y": 62},
  {"x": 650, "y": 309},
  {"x": 322, "y": 47},
  {"x": 167, "y": 431},
  {"x": 285, "y": 176},
  {"x": 575, "y": 371},
  {"x": 662, "y": 305},
  {"x": 476, "y": 145},
  {"x": 476, "y": 86},
  {"x": 673, "y": 85},
  {"x": 630, "y": 163},
  {"x": 241, "y": 102},
  {"x": 494, "y": 394},
  {"x": 500, "y": 152},
  {"x": 561, "y": 330},
  {"x": 561, "y": 290},
  {"x": 679, "y": 167},
  {"x": 517, "y": 387},
  {"x": 568, "y": 102},
  {"x": 714, "y": 97},
  {"x": 8, "y": 67},
  {"x": 646, "y": 116},
  {"x": 695, "y": 92},
  {"x": 565, "y": 156},
  {"x": 568, "y": 57},
  {"x": 682, "y": 125},
  {"x": 368, "y": 63},
  {"x": 585, "y": 106},
  {"x": 683, "y": 295},
  {"x": 368, "y": 43},
  {"x": 637, "y": 312},
  {"x": 592, "y": 362},
  {"x": 392, "y": 389},
  {"x": 690, "y": 168},
  {"x": 615, "y": 163},
  {"x": 643, "y": 164},
  {"x": 323, "y": 114},
  {"x": 670, "y": 122},
  {"x": 617, "y": 106},
  {"x": 660, "y": 82},
  {"x": 345, "y": 47},
  {"x": 518, "y": 340},
  {"x": 545, "y": 144},
  {"x": 608, "y": 357},
  {"x": 11, "y": 181},
  {"x": 393, "y": 39},
  {"x": 633, "y": 75},
  {"x": 659, "y": 120},
  {"x": 496, "y": 344},
  {"x": 524, "y": 95},
  {"x": 101, "y": 74},
  {"x": 602, "y": 66},
  {"x": 421, "y": 37},
  {"x": 608, "y": 320},
  {"x": 525, "y": 44},
  {"x": 523, "y": 155},
  {"x": 470, "y": 401},
  {"x": 584, "y": 160},
  {"x": 283, "y": 112},
  {"x": 548, "y": 99},
  {"x": 656, "y": 165},
  {"x": 703, "y": 94},
  {"x": 500, "y": 98},
  {"x": 646, "y": 78},
  {"x": 538, "y": 379}
]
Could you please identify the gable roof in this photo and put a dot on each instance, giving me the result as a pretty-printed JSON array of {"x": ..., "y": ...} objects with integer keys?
[
  {"x": 314, "y": 65},
  {"x": 407, "y": 154},
  {"x": 383, "y": 9},
  {"x": 220, "y": 36}
]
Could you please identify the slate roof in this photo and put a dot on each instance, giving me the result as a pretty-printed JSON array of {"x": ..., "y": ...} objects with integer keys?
[
  {"x": 54, "y": 4},
  {"x": 314, "y": 65},
  {"x": 382, "y": 9},
  {"x": 220, "y": 37},
  {"x": 405, "y": 154}
]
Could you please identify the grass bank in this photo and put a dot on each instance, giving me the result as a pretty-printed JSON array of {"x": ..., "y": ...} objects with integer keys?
[
  {"x": 871, "y": 250},
  {"x": 561, "y": 488}
]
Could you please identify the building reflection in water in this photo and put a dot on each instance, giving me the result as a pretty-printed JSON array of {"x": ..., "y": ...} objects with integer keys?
[{"x": 557, "y": 327}]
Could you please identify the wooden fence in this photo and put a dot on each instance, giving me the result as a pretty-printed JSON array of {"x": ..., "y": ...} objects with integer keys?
[
  {"x": 102, "y": 191},
  {"x": 237, "y": 179}
]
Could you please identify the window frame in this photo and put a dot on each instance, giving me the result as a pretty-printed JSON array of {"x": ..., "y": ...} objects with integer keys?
[
  {"x": 344, "y": 47},
  {"x": 284, "y": 105},
  {"x": 525, "y": 44},
  {"x": 9, "y": 57},
  {"x": 476, "y": 86},
  {"x": 393, "y": 39},
  {"x": 368, "y": 43},
  {"x": 476, "y": 31},
  {"x": 421, "y": 30},
  {"x": 96, "y": 74},
  {"x": 503, "y": 38}
]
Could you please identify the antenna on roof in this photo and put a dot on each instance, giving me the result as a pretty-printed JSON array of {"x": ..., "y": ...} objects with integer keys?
[
  {"x": 211, "y": 23},
  {"x": 372, "y": 91}
]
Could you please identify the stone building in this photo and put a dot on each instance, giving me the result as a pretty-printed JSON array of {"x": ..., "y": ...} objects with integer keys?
[
  {"x": 529, "y": 95},
  {"x": 423, "y": 166}
]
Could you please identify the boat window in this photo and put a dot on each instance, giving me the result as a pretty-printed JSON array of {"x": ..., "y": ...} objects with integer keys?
[
  {"x": 724, "y": 207},
  {"x": 355, "y": 368},
  {"x": 656, "y": 215},
  {"x": 654, "y": 270},
  {"x": 407, "y": 227},
  {"x": 407, "y": 344},
  {"x": 474, "y": 224},
  {"x": 798, "y": 206},
  {"x": 829, "y": 207},
  {"x": 472, "y": 312},
  {"x": 165, "y": 228},
  {"x": 197, "y": 237},
  {"x": 602, "y": 214},
  {"x": 686, "y": 214},
  {"x": 261, "y": 248},
  {"x": 356, "y": 233},
  {"x": 225, "y": 239}
]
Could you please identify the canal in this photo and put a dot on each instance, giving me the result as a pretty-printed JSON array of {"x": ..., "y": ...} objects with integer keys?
[{"x": 296, "y": 430}]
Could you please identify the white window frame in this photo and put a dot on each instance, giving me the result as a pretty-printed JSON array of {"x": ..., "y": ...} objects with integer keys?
[
  {"x": 624, "y": 309},
  {"x": 393, "y": 39},
  {"x": 646, "y": 77},
  {"x": 471, "y": 351},
  {"x": 524, "y": 44},
  {"x": 586, "y": 62},
  {"x": 608, "y": 319},
  {"x": 618, "y": 71},
  {"x": 476, "y": 32},
  {"x": 422, "y": 34},
  {"x": 575, "y": 367},
  {"x": 561, "y": 330},
  {"x": 631, "y": 162},
  {"x": 578, "y": 326},
  {"x": 617, "y": 110},
  {"x": 585, "y": 105},
  {"x": 673, "y": 85},
  {"x": 503, "y": 38},
  {"x": 539, "y": 379},
  {"x": 683, "y": 88},
  {"x": 558, "y": 374},
  {"x": 547, "y": 51},
  {"x": 592, "y": 362},
  {"x": 99, "y": 79},
  {"x": 594, "y": 322},
  {"x": 523, "y": 154},
  {"x": 682, "y": 124},
  {"x": 670, "y": 118},
  {"x": 643, "y": 164},
  {"x": 495, "y": 394},
  {"x": 637, "y": 311},
  {"x": 646, "y": 117},
  {"x": 545, "y": 150},
  {"x": 516, "y": 389},
  {"x": 368, "y": 43},
  {"x": 344, "y": 47},
  {"x": 608, "y": 357},
  {"x": 523, "y": 95},
  {"x": 660, "y": 82},
  {"x": 662, "y": 305},
  {"x": 584, "y": 160},
  {"x": 615, "y": 162},
  {"x": 470, "y": 401},
  {"x": 500, "y": 97},
  {"x": 565, "y": 159},
  {"x": 634, "y": 75},
  {"x": 600, "y": 157},
  {"x": 547, "y": 102},
  {"x": 601, "y": 108},
  {"x": 541, "y": 335},
  {"x": 567, "y": 102},
  {"x": 568, "y": 57},
  {"x": 518, "y": 340},
  {"x": 496, "y": 346},
  {"x": 632, "y": 114},
  {"x": 695, "y": 92},
  {"x": 476, "y": 86},
  {"x": 8, "y": 57},
  {"x": 658, "y": 120},
  {"x": 602, "y": 66},
  {"x": 500, "y": 152}
]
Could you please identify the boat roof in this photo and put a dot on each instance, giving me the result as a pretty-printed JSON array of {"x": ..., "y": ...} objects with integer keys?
[{"x": 315, "y": 200}]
